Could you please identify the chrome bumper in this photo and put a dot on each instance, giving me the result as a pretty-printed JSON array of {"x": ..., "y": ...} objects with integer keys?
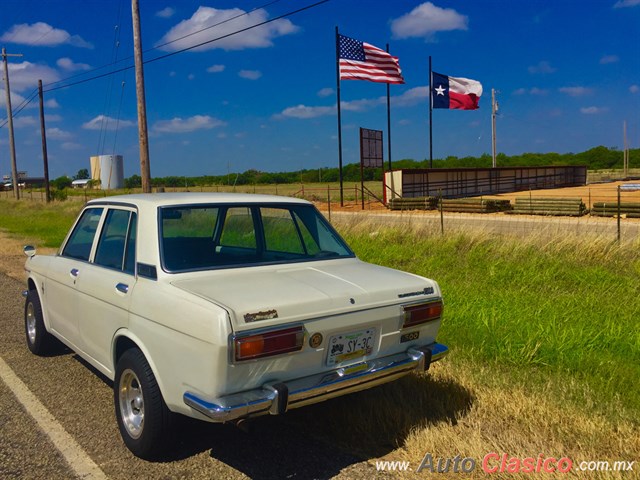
[{"x": 277, "y": 398}]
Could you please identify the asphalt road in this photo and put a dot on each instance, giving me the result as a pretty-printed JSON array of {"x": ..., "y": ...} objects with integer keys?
[{"x": 79, "y": 401}]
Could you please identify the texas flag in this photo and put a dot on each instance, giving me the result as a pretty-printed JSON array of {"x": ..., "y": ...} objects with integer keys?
[{"x": 452, "y": 92}]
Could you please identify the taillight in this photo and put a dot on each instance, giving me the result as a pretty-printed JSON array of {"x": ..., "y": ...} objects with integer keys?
[
  {"x": 270, "y": 343},
  {"x": 422, "y": 313}
]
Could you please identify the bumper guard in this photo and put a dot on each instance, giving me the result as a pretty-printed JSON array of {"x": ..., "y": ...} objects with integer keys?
[{"x": 278, "y": 397}]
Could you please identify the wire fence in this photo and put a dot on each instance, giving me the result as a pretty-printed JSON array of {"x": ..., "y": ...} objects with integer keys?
[{"x": 596, "y": 211}]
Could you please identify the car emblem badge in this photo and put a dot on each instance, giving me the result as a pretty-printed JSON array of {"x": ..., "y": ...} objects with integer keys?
[
  {"x": 316, "y": 340},
  {"x": 256, "y": 317}
]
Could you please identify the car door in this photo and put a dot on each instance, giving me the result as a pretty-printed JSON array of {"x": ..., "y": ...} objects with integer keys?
[
  {"x": 106, "y": 285},
  {"x": 60, "y": 292}
]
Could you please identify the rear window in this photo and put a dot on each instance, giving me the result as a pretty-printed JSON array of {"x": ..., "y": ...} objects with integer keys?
[{"x": 208, "y": 237}]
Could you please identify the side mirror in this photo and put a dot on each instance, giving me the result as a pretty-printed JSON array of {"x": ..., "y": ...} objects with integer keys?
[{"x": 29, "y": 250}]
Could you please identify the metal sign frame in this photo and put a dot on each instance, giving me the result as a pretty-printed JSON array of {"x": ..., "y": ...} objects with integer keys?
[{"x": 371, "y": 154}]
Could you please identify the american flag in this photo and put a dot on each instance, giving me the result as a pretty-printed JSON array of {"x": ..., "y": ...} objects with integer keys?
[{"x": 362, "y": 61}]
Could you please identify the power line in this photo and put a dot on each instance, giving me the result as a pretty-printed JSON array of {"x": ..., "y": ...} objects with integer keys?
[
  {"x": 161, "y": 57},
  {"x": 313, "y": 5},
  {"x": 165, "y": 44}
]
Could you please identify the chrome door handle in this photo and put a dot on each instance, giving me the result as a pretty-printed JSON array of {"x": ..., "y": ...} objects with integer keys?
[
  {"x": 123, "y": 288},
  {"x": 74, "y": 272}
]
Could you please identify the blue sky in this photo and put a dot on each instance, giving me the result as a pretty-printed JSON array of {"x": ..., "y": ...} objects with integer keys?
[{"x": 567, "y": 73}]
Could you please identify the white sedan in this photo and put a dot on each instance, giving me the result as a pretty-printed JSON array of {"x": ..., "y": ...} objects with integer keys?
[{"x": 223, "y": 307}]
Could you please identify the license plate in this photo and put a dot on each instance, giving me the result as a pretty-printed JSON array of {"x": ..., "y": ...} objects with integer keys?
[{"x": 347, "y": 347}]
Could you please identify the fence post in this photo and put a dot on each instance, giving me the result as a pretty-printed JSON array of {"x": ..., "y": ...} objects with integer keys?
[
  {"x": 618, "y": 213},
  {"x": 329, "y": 201},
  {"x": 441, "y": 214}
]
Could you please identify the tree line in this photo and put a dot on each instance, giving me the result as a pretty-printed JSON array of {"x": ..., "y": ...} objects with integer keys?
[{"x": 598, "y": 158}]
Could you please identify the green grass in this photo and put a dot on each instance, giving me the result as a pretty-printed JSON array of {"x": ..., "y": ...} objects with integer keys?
[
  {"x": 45, "y": 224},
  {"x": 561, "y": 310}
]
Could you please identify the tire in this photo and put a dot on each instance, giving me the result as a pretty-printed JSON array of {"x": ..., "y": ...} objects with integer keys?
[
  {"x": 39, "y": 341},
  {"x": 143, "y": 417}
]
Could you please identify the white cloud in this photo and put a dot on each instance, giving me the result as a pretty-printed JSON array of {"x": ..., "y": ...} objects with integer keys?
[
  {"x": 56, "y": 133},
  {"x": 107, "y": 123},
  {"x": 531, "y": 91},
  {"x": 542, "y": 67},
  {"x": 250, "y": 74},
  {"x": 51, "y": 103},
  {"x": 185, "y": 125},
  {"x": 362, "y": 104},
  {"x": 167, "y": 12},
  {"x": 634, "y": 88},
  {"x": 16, "y": 99},
  {"x": 427, "y": 19},
  {"x": 25, "y": 121},
  {"x": 626, "y": 3},
  {"x": 593, "y": 110},
  {"x": 609, "y": 59},
  {"x": 191, "y": 76},
  {"x": 576, "y": 91},
  {"x": 325, "y": 92},
  {"x": 67, "y": 64},
  {"x": 411, "y": 97},
  {"x": 42, "y": 35},
  {"x": 216, "y": 68},
  {"x": 303, "y": 111},
  {"x": 25, "y": 75},
  {"x": 226, "y": 22}
]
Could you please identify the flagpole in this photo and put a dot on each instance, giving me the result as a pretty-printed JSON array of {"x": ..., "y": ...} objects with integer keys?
[
  {"x": 339, "y": 118},
  {"x": 389, "y": 137},
  {"x": 388, "y": 121},
  {"x": 430, "y": 116}
]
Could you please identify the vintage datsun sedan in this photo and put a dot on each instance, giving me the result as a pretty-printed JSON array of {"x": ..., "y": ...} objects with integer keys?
[{"x": 223, "y": 307}]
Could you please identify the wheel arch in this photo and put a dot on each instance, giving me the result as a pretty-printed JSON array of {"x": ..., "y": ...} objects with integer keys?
[
  {"x": 124, "y": 340},
  {"x": 32, "y": 284}
]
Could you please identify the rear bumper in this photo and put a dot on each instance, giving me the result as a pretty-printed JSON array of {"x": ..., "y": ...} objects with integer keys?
[{"x": 277, "y": 398}]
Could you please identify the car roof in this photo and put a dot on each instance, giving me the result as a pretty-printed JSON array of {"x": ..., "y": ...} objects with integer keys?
[{"x": 191, "y": 198}]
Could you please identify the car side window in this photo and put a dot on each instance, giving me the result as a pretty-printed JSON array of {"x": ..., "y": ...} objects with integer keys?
[
  {"x": 79, "y": 244},
  {"x": 238, "y": 229},
  {"x": 281, "y": 233},
  {"x": 113, "y": 241}
]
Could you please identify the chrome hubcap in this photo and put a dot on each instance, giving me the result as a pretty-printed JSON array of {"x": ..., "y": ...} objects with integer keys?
[
  {"x": 131, "y": 403},
  {"x": 31, "y": 323}
]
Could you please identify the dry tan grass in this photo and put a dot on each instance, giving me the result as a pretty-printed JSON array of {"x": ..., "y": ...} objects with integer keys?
[
  {"x": 11, "y": 257},
  {"x": 514, "y": 420}
]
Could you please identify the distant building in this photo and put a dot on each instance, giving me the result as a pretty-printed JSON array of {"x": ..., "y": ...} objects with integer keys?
[{"x": 81, "y": 183}]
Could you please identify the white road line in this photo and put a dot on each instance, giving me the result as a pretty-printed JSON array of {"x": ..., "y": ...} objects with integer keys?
[{"x": 73, "y": 453}]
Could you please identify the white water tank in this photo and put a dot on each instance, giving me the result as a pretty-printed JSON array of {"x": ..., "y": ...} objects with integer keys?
[{"x": 109, "y": 169}]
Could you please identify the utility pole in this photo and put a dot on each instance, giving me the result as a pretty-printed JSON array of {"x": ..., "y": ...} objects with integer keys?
[
  {"x": 12, "y": 144},
  {"x": 45, "y": 157},
  {"x": 494, "y": 110},
  {"x": 143, "y": 139}
]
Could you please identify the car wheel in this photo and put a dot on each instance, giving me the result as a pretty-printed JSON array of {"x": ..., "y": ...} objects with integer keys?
[
  {"x": 39, "y": 341},
  {"x": 143, "y": 417}
]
